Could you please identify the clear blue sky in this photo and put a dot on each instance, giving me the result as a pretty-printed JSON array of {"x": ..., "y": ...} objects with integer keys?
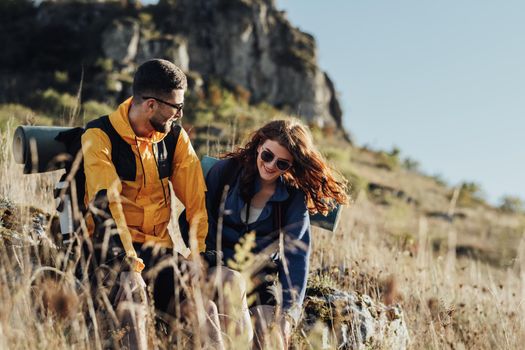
[{"x": 443, "y": 80}]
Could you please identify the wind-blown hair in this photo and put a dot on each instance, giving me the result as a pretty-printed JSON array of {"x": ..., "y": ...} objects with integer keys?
[{"x": 323, "y": 186}]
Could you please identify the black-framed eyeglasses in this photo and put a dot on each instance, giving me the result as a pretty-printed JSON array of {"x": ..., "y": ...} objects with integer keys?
[
  {"x": 282, "y": 164},
  {"x": 177, "y": 106}
]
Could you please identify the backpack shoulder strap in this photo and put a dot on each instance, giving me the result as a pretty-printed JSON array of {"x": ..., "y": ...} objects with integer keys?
[
  {"x": 72, "y": 139},
  {"x": 104, "y": 124},
  {"x": 121, "y": 153},
  {"x": 166, "y": 151},
  {"x": 170, "y": 141},
  {"x": 175, "y": 131},
  {"x": 228, "y": 176}
]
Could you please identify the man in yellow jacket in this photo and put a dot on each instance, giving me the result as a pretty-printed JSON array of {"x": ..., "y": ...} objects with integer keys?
[{"x": 131, "y": 156}]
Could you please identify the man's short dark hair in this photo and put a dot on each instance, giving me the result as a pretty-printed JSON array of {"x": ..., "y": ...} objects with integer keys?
[{"x": 158, "y": 77}]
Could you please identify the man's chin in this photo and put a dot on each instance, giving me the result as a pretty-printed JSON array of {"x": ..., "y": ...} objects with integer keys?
[{"x": 162, "y": 128}]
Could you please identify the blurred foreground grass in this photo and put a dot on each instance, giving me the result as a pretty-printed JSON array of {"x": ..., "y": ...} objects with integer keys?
[{"x": 454, "y": 264}]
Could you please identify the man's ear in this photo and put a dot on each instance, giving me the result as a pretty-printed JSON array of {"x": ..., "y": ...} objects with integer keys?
[{"x": 149, "y": 105}]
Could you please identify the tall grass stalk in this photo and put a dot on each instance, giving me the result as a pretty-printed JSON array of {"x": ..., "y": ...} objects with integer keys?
[{"x": 450, "y": 301}]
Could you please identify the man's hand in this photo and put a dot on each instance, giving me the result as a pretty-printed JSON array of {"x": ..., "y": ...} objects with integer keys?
[{"x": 135, "y": 264}]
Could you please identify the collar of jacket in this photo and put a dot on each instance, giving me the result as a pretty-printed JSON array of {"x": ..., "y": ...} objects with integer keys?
[
  {"x": 120, "y": 121},
  {"x": 281, "y": 190}
]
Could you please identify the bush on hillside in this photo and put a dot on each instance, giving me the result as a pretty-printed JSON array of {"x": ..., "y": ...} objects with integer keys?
[
  {"x": 470, "y": 194},
  {"x": 411, "y": 164},
  {"x": 512, "y": 204},
  {"x": 20, "y": 115},
  {"x": 389, "y": 160},
  {"x": 94, "y": 109},
  {"x": 356, "y": 184},
  {"x": 54, "y": 103},
  {"x": 336, "y": 154}
]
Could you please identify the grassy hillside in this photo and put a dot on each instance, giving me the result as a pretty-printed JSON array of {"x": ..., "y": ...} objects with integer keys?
[{"x": 454, "y": 263}]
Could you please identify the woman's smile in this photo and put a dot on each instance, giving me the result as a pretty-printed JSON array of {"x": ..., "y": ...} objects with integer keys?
[{"x": 268, "y": 171}]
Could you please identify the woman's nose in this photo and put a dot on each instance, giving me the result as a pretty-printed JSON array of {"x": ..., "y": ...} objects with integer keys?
[{"x": 273, "y": 164}]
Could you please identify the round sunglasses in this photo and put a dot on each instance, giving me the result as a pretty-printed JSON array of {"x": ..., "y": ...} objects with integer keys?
[{"x": 282, "y": 164}]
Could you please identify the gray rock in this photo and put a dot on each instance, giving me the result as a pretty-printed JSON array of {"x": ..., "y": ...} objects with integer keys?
[
  {"x": 249, "y": 43},
  {"x": 120, "y": 40},
  {"x": 353, "y": 321},
  {"x": 170, "y": 47}
]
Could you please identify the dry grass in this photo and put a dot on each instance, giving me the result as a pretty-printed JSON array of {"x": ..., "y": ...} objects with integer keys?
[
  {"x": 43, "y": 305},
  {"x": 451, "y": 300}
]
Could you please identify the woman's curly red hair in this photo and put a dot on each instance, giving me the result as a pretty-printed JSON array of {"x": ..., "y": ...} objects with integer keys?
[{"x": 324, "y": 187}]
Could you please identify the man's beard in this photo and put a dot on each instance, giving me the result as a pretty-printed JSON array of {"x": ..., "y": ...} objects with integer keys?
[{"x": 160, "y": 127}]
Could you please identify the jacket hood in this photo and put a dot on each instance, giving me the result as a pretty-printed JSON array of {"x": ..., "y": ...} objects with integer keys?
[{"x": 120, "y": 121}]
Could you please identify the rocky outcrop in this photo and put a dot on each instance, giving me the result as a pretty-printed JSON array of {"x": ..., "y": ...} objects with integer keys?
[
  {"x": 172, "y": 47},
  {"x": 348, "y": 320},
  {"x": 249, "y": 43},
  {"x": 120, "y": 40},
  {"x": 246, "y": 44},
  {"x": 13, "y": 232}
]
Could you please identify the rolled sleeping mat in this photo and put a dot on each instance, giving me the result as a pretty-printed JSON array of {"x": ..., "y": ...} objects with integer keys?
[{"x": 37, "y": 149}]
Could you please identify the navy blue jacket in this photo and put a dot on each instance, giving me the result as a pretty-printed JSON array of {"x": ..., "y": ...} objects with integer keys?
[{"x": 295, "y": 224}]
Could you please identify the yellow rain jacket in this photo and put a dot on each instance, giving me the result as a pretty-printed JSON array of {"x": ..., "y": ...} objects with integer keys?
[{"x": 139, "y": 207}]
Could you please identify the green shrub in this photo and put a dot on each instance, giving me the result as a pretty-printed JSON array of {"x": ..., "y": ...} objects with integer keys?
[
  {"x": 229, "y": 106},
  {"x": 336, "y": 154},
  {"x": 411, "y": 164},
  {"x": 94, "y": 109},
  {"x": 470, "y": 194},
  {"x": 20, "y": 115},
  {"x": 145, "y": 18},
  {"x": 388, "y": 161},
  {"x": 243, "y": 95},
  {"x": 113, "y": 84},
  {"x": 356, "y": 183},
  {"x": 61, "y": 77},
  {"x": 105, "y": 64},
  {"x": 214, "y": 94},
  {"x": 56, "y": 104},
  {"x": 512, "y": 204}
]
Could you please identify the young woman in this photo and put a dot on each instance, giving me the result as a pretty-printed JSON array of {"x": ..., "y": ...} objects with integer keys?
[{"x": 274, "y": 181}]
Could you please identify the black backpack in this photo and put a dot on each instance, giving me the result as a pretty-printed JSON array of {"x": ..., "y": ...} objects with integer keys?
[{"x": 71, "y": 192}]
